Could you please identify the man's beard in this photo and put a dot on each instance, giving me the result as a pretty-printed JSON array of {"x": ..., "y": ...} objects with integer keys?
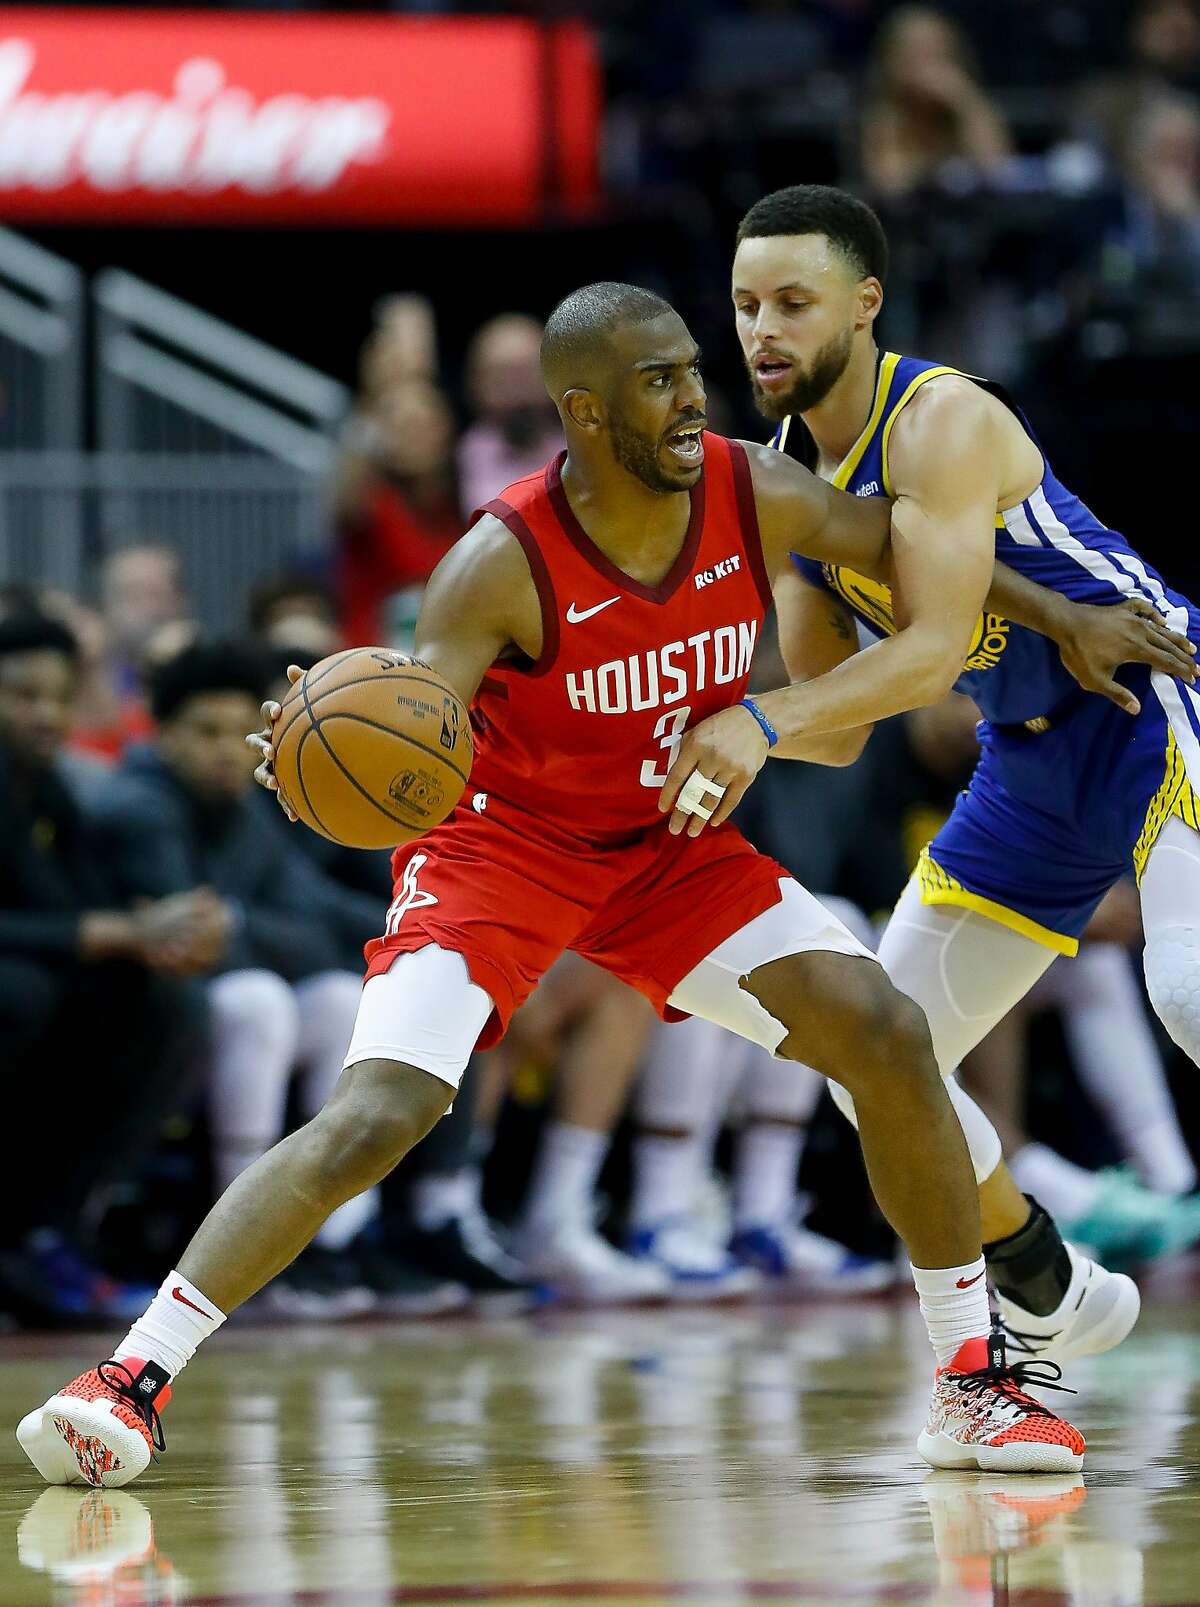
[
  {"x": 806, "y": 390},
  {"x": 639, "y": 457}
]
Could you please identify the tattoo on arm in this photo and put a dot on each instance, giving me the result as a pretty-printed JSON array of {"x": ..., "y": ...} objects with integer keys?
[{"x": 841, "y": 624}]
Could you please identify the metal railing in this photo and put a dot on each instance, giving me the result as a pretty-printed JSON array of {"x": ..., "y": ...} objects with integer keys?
[
  {"x": 233, "y": 521},
  {"x": 41, "y": 347},
  {"x": 170, "y": 378},
  {"x": 205, "y": 439}
]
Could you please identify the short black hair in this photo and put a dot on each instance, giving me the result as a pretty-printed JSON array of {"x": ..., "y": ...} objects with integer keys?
[
  {"x": 207, "y": 667},
  {"x": 844, "y": 220},
  {"x": 37, "y": 633},
  {"x": 578, "y": 329}
]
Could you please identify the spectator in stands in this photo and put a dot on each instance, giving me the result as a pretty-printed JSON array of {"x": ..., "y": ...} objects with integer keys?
[
  {"x": 1164, "y": 58},
  {"x": 395, "y": 508},
  {"x": 90, "y": 988},
  {"x": 1161, "y": 229},
  {"x": 926, "y": 108},
  {"x": 145, "y": 615},
  {"x": 294, "y": 611},
  {"x": 181, "y": 816},
  {"x": 515, "y": 427},
  {"x": 141, "y": 592},
  {"x": 402, "y": 346}
]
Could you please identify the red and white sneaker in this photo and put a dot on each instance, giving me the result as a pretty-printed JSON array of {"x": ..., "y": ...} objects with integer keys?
[
  {"x": 103, "y": 1429},
  {"x": 981, "y": 1417}
]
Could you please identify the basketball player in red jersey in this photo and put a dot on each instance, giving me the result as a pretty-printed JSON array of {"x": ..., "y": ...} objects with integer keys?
[{"x": 592, "y": 613}]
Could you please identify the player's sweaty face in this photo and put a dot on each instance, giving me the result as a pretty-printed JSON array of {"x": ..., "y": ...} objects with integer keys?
[
  {"x": 656, "y": 407},
  {"x": 37, "y": 705},
  {"x": 205, "y": 744},
  {"x": 795, "y": 300}
]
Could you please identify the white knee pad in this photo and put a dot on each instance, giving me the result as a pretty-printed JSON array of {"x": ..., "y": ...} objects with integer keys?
[
  {"x": 983, "y": 1140},
  {"x": 1172, "y": 964}
]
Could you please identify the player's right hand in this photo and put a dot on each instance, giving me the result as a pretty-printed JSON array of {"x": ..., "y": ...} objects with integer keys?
[
  {"x": 261, "y": 742},
  {"x": 1099, "y": 639}
]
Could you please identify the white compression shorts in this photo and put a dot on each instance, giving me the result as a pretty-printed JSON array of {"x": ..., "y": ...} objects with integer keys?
[{"x": 426, "y": 1012}]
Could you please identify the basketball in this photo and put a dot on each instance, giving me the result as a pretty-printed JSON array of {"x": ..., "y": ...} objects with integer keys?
[{"x": 372, "y": 748}]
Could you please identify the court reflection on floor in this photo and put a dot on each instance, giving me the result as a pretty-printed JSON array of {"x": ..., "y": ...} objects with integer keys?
[{"x": 714, "y": 1456}]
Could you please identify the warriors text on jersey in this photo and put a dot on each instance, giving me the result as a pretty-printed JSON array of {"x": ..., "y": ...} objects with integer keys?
[{"x": 1070, "y": 792}]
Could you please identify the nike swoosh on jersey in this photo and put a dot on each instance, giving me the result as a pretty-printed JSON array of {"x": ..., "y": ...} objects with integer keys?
[{"x": 576, "y": 616}]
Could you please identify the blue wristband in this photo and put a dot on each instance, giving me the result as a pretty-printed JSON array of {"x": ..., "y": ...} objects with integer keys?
[{"x": 769, "y": 730}]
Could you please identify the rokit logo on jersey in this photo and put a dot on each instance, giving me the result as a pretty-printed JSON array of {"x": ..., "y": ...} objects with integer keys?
[
  {"x": 664, "y": 675},
  {"x": 727, "y": 566}
]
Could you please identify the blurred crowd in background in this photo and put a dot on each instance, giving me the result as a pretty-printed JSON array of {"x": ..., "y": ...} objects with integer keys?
[{"x": 177, "y": 958}]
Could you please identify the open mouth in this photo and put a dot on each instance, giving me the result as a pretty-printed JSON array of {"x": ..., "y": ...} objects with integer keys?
[
  {"x": 685, "y": 443},
  {"x": 771, "y": 372}
]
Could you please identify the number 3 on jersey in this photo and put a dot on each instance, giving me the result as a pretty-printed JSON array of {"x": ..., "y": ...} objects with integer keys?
[{"x": 669, "y": 730}]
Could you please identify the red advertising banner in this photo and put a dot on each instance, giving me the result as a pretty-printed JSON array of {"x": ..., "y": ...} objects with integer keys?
[{"x": 190, "y": 117}]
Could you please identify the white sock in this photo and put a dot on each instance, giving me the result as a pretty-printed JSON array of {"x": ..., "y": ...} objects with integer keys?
[
  {"x": 174, "y": 1323},
  {"x": 348, "y": 1221},
  {"x": 443, "y": 1196},
  {"x": 568, "y": 1163},
  {"x": 764, "y": 1179},
  {"x": 665, "y": 1171},
  {"x": 954, "y": 1304},
  {"x": 1063, "y": 1189}
]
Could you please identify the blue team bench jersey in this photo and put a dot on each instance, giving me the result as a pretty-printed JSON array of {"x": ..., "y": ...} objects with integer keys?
[{"x": 1013, "y": 674}]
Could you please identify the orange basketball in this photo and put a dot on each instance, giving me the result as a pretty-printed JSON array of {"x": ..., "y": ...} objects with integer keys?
[{"x": 372, "y": 748}]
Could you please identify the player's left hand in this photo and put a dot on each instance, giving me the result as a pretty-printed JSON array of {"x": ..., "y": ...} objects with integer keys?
[
  {"x": 262, "y": 741},
  {"x": 1097, "y": 640},
  {"x": 727, "y": 750}
]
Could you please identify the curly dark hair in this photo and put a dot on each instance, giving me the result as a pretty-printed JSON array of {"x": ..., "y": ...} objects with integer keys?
[{"x": 207, "y": 667}]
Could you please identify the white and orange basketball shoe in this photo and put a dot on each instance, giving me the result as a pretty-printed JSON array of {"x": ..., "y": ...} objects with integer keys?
[
  {"x": 981, "y": 1416},
  {"x": 103, "y": 1429}
]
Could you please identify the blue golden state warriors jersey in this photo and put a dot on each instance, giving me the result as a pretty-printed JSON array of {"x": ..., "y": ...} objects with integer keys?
[
  {"x": 1069, "y": 793},
  {"x": 1013, "y": 674}
]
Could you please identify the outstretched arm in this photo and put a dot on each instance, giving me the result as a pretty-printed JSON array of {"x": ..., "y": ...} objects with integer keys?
[{"x": 1094, "y": 640}]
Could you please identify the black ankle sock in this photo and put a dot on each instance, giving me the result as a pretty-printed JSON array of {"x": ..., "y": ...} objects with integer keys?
[{"x": 1031, "y": 1266}]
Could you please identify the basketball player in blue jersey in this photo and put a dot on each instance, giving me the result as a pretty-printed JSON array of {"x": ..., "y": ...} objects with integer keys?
[{"x": 1072, "y": 791}]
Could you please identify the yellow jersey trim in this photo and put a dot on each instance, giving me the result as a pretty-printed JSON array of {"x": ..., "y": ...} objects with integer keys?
[
  {"x": 883, "y": 384},
  {"x": 1175, "y": 797},
  {"x": 910, "y": 391},
  {"x": 939, "y": 887},
  {"x": 783, "y": 434}
]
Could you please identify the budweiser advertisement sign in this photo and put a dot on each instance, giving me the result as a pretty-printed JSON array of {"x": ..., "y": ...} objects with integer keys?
[{"x": 188, "y": 117}]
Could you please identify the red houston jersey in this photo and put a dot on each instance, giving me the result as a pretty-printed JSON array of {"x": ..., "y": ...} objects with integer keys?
[{"x": 582, "y": 740}]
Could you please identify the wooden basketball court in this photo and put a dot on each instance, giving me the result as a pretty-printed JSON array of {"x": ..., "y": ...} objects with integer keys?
[{"x": 755, "y": 1453}]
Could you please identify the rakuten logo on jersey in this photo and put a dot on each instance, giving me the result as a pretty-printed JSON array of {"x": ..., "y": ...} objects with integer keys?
[
  {"x": 209, "y": 134},
  {"x": 664, "y": 675}
]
